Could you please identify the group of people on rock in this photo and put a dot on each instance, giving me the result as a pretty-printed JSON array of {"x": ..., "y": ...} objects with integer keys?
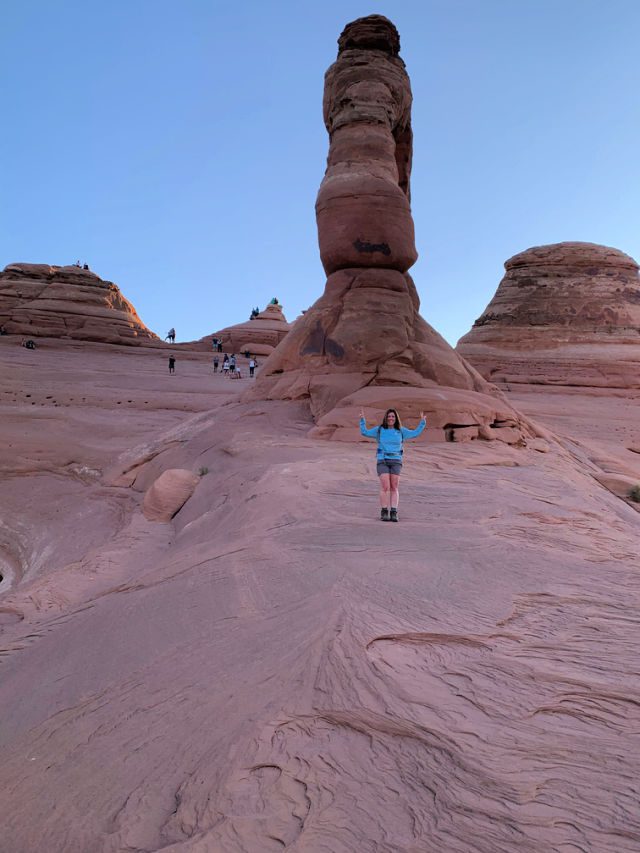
[
  {"x": 230, "y": 367},
  {"x": 81, "y": 266},
  {"x": 171, "y": 336}
]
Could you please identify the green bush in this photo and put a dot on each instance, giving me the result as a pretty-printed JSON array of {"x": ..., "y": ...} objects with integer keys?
[
  {"x": 202, "y": 471},
  {"x": 634, "y": 494}
]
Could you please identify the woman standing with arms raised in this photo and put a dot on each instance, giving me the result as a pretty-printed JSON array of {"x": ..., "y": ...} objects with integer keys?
[{"x": 390, "y": 435}]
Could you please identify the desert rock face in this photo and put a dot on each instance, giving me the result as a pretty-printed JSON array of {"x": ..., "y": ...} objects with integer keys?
[
  {"x": 260, "y": 336},
  {"x": 564, "y": 314},
  {"x": 365, "y": 334},
  {"x": 235, "y": 678},
  {"x": 38, "y": 300}
]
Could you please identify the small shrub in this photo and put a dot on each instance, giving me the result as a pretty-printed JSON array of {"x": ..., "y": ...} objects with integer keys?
[
  {"x": 202, "y": 471},
  {"x": 634, "y": 494}
]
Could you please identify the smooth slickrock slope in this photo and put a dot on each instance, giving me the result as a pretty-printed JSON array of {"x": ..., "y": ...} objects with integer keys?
[
  {"x": 42, "y": 301},
  {"x": 274, "y": 669},
  {"x": 564, "y": 314},
  {"x": 364, "y": 342}
]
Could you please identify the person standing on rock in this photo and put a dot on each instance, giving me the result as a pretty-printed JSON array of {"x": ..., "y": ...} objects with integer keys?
[
  {"x": 216, "y": 362},
  {"x": 391, "y": 436},
  {"x": 172, "y": 364},
  {"x": 252, "y": 367}
]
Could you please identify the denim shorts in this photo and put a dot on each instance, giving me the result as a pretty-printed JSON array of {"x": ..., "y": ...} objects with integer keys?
[{"x": 389, "y": 466}]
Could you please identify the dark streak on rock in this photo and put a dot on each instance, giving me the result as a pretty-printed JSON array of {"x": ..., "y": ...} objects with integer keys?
[{"x": 361, "y": 246}]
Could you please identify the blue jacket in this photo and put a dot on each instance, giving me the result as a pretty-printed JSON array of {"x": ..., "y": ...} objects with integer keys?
[{"x": 390, "y": 440}]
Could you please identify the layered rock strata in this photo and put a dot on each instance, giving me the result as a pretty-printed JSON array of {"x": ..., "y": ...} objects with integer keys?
[
  {"x": 364, "y": 342},
  {"x": 39, "y": 300},
  {"x": 260, "y": 336},
  {"x": 564, "y": 314}
]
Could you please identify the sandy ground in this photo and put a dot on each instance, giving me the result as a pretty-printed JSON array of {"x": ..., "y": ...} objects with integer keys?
[{"x": 275, "y": 669}]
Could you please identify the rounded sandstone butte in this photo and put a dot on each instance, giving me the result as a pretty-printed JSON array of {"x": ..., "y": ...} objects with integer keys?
[
  {"x": 566, "y": 313},
  {"x": 259, "y": 336},
  {"x": 363, "y": 210},
  {"x": 45, "y": 301}
]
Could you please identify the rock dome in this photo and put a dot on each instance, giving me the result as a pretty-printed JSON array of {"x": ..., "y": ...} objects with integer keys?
[
  {"x": 39, "y": 300},
  {"x": 566, "y": 313}
]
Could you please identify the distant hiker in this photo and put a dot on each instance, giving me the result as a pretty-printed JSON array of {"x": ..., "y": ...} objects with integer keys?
[
  {"x": 214, "y": 344},
  {"x": 390, "y": 435},
  {"x": 225, "y": 368},
  {"x": 216, "y": 362},
  {"x": 232, "y": 362},
  {"x": 85, "y": 266},
  {"x": 172, "y": 364},
  {"x": 247, "y": 354},
  {"x": 225, "y": 359},
  {"x": 29, "y": 344},
  {"x": 219, "y": 346},
  {"x": 252, "y": 366},
  {"x": 77, "y": 264},
  {"x": 3, "y": 331},
  {"x": 171, "y": 336}
]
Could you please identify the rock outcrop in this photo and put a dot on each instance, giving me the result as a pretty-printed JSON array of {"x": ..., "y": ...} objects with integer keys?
[
  {"x": 260, "y": 336},
  {"x": 38, "y": 300},
  {"x": 366, "y": 330},
  {"x": 564, "y": 314},
  {"x": 168, "y": 494}
]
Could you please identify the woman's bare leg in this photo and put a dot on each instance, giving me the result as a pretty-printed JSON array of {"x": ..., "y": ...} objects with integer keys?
[
  {"x": 394, "y": 489},
  {"x": 385, "y": 490}
]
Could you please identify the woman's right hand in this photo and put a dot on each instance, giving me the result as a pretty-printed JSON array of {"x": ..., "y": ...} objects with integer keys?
[{"x": 362, "y": 414}]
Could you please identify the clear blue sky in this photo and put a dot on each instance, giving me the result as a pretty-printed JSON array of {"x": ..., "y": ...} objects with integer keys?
[{"x": 178, "y": 146}]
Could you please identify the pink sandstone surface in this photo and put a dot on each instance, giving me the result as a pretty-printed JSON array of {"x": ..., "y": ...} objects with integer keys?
[
  {"x": 564, "y": 314},
  {"x": 364, "y": 339},
  {"x": 273, "y": 668},
  {"x": 43, "y": 301}
]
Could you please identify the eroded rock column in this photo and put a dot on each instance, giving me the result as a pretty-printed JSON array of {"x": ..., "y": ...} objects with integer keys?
[{"x": 364, "y": 343}]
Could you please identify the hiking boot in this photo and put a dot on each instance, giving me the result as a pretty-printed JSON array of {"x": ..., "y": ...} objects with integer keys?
[
  {"x": 393, "y": 515},
  {"x": 384, "y": 514}
]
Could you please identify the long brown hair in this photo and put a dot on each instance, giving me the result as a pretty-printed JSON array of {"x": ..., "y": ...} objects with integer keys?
[{"x": 397, "y": 424}]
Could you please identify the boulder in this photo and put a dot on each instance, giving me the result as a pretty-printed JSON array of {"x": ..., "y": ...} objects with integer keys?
[{"x": 168, "y": 494}]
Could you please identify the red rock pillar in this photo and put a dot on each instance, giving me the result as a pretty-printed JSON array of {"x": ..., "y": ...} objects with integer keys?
[
  {"x": 363, "y": 213},
  {"x": 364, "y": 343}
]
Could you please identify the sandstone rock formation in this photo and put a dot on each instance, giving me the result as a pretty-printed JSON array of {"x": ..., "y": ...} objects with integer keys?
[
  {"x": 260, "y": 336},
  {"x": 237, "y": 678},
  {"x": 564, "y": 314},
  {"x": 366, "y": 330},
  {"x": 38, "y": 300},
  {"x": 168, "y": 494}
]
